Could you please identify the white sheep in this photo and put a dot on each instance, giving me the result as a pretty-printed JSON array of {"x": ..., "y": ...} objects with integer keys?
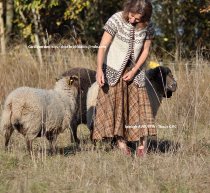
[
  {"x": 91, "y": 103},
  {"x": 38, "y": 112},
  {"x": 159, "y": 83}
]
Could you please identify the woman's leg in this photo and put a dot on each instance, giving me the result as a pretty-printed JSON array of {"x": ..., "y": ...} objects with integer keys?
[
  {"x": 142, "y": 147},
  {"x": 140, "y": 115},
  {"x": 122, "y": 145}
]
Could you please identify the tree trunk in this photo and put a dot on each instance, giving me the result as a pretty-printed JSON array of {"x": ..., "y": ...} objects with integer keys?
[
  {"x": 9, "y": 18},
  {"x": 176, "y": 35},
  {"x": 36, "y": 35},
  {"x": 2, "y": 38}
]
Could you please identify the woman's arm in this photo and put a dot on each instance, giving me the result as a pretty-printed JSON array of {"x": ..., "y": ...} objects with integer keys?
[
  {"x": 143, "y": 56},
  {"x": 104, "y": 44},
  {"x": 145, "y": 52}
]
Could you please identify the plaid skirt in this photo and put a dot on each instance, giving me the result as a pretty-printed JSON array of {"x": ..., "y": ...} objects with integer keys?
[{"x": 123, "y": 110}]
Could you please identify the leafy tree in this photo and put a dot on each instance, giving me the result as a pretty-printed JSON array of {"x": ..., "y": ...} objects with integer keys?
[{"x": 180, "y": 26}]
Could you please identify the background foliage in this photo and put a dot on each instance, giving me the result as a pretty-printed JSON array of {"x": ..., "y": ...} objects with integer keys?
[{"x": 180, "y": 27}]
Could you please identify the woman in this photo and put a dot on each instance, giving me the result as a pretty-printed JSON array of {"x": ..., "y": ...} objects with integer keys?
[{"x": 123, "y": 109}]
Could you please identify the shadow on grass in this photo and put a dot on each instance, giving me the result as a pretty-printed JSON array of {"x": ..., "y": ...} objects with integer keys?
[
  {"x": 153, "y": 145},
  {"x": 158, "y": 146},
  {"x": 68, "y": 151},
  {"x": 162, "y": 146}
]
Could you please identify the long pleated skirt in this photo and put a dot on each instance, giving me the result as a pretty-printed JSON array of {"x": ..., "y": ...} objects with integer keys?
[{"x": 123, "y": 110}]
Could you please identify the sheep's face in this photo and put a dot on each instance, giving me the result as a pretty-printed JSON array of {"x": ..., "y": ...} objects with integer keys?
[
  {"x": 171, "y": 84},
  {"x": 72, "y": 81},
  {"x": 163, "y": 77},
  {"x": 67, "y": 82}
]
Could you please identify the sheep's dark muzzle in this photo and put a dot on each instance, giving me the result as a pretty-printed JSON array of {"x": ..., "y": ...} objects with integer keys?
[{"x": 171, "y": 85}]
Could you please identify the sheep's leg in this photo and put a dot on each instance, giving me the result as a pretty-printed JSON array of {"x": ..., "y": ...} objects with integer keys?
[
  {"x": 52, "y": 138},
  {"x": 90, "y": 117},
  {"x": 8, "y": 132},
  {"x": 74, "y": 125},
  {"x": 75, "y": 135},
  {"x": 53, "y": 145},
  {"x": 29, "y": 146}
]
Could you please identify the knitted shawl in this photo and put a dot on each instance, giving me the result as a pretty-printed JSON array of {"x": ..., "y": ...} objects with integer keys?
[{"x": 125, "y": 47}]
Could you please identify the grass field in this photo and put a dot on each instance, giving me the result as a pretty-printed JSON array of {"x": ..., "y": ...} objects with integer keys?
[{"x": 183, "y": 119}]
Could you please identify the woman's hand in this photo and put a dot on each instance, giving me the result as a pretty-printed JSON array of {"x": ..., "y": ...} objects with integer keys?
[
  {"x": 100, "y": 77},
  {"x": 129, "y": 75}
]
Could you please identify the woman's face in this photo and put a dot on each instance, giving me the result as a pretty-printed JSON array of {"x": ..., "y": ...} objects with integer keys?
[{"x": 134, "y": 18}]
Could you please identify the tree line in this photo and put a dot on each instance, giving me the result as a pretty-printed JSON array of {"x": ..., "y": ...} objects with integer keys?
[{"x": 181, "y": 26}]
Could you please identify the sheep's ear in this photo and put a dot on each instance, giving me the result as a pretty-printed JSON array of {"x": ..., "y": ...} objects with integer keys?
[
  {"x": 58, "y": 78},
  {"x": 72, "y": 79},
  {"x": 167, "y": 70}
]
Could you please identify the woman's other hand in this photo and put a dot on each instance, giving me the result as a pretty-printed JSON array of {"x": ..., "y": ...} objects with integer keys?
[
  {"x": 129, "y": 75},
  {"x": 100, "y": 77}
]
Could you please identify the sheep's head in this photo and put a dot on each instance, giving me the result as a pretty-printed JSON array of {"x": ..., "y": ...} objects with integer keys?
[
  {"x": 163, "y": 78},
  {"x": 66, "y": 83}
]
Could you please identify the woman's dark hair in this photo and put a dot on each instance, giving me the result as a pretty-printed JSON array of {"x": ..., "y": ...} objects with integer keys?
[{"x": 143, "y": 7}]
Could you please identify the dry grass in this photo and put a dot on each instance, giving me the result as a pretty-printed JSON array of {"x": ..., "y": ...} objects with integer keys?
[{"x": 184, "y": 171}]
